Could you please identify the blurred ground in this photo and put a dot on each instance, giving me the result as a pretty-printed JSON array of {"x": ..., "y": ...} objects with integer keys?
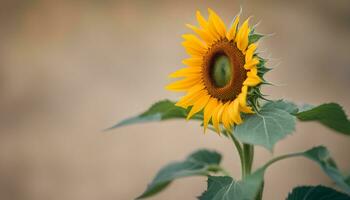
[{"x": 69, "y": 69}]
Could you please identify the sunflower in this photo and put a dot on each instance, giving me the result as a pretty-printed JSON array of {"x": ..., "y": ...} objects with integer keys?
[{"x": 221, "y": 71}]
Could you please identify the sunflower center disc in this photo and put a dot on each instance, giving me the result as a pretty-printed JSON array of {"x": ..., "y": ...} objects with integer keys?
[{"x": 222, "y": 71}]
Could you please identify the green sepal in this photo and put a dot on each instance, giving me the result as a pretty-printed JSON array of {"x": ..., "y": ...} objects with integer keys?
[
  {"x": 264, "y": 82},
  {"x": 254, "y": 97},
  {"x": 262, "y": 62},
  {"x": 199, "y": 163},
  {"x": 254, "y": 37},
  {"x": 262, "y": 71},
  {"x": 261, "y": 67}
]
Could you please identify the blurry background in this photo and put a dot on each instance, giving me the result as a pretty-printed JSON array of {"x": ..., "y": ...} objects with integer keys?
[{"x": 69, "y": 69}]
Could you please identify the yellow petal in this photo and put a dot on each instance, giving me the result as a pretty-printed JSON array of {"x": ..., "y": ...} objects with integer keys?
[
  {"x": 194, "y": 46},
  {"x": 193, "y": 95},
  {"x": 226, "y": 121},
  {"x": 252, "y": 63},
  {"x": 242, "y": 98},
  {"x": 219, "y": 114},
  {"x": 245, "y": 41},
  {"x": 215, "y": 117},
  {"x": 218, "y": 23},
  {"x": 252, "y": 81},
  {"x": 196, "y": 88},
  {"x": 252, "y": 78},
  {"x": 184, "y": 84},
  {"x": 193, "y": 51},
  {"x": 212, "y": 29},
  {"x": 198, "y": 106},
  {"x": 230, "y": 112},
  {"x": 232, "y": 32},
  {"x": 246, "y": 109},
  {"x": 253, "y": 73},
  {"x": 186, "y": 72},
  {"x": 236, "y": 113},
  {"x": 206, "y": 36},
  {"x": 192, "y": 39},
  {"x": 193, "y": 62},
  {"x": 208, "y": 111},
  {"x": 242, "y": 36},
  {"x": 202, "y": 22},
  {"x": 250, "y": 52}
]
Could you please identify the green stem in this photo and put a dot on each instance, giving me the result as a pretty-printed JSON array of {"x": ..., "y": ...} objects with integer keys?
[
  {"x": 252, "y": 156},
  {"x": 224, "y": 172},
  {"x": 217, "y": 168},
  {"x": 240, "y": 152},
  {"x": 281, "y": 158},
  {"x": 260, "y": 193},
  {"x": 248, "y": 152}
]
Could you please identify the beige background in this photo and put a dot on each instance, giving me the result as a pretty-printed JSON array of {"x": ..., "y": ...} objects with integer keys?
[{"x": 69, "y": 69}]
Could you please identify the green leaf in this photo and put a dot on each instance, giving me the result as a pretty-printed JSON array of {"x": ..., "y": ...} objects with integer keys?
[
  {"x": 250, "y": 186},
  {"x": 226, "y": 188},
  {"x": 287, "y": 106},
  {"x": 271, "y": 124},
  {"x": 200, "y": 163},
  {"x": 316, "y": 193},
  {"x": 331, "y": 115},
  {"x": 305, "y": 107},
  {"x": 347, "y": 180},
  {"x": 162, "y": 110},
  {"x": 322, "y": 157}
]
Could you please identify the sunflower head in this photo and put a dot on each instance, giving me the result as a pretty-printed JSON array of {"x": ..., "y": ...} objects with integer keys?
[{"x": 223, "y": 73}]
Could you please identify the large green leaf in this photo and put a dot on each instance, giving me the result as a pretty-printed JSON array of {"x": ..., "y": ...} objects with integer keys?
[
  {"x": 162, "y": 110},
  {"x": 226, "y": 188},
  {"x": 322, "y": 157},
  {"x": 331, "y": 115},
  {"x": 200, "y": 163},
  {"x": 271, "y": 124},
  {"x": 287, "y": 106},
  {"x": 347, "y": 180},
  {"x": 250, "y": 186},
  {"x": 316, "y": 193}
]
